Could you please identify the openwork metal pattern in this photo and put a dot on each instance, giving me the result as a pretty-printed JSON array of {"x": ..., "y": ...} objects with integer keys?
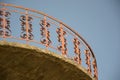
[
  {"x": 24, "y": 25},
  {"x": 45, "y": 33}
]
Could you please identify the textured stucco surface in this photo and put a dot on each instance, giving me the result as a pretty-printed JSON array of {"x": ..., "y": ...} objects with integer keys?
[{"x": 24, "y": 62}]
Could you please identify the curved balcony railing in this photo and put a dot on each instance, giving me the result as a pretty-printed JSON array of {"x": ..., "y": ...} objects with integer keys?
[{"x": 24, "y": 25}]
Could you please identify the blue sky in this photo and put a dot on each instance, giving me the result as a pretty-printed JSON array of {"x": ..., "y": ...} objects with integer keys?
[{"x": 98, "y": 21}]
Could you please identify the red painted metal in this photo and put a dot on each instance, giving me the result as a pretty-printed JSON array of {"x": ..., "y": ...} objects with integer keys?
[
  {"x": 45, "y": 32},
  {"x": 62, "y": 40},
  {"x": 77, "y": 50},
  {"x": 87, "y": 53}
]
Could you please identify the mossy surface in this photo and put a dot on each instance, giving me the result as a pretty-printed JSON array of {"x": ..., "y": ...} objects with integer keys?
[{"x": 24, "y": 62}]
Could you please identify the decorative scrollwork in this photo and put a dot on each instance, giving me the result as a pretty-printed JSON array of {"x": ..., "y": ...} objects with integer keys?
[
  {"x": 61, "y": 33},
  {"x": 1, "y": 25},
  {"x": 26, "y": 23},
  {"x": 77, "y": 50},
  {"x": 87, "y": 53},
  {"x": 45, "y": 33},
  {"x": 5, "y": 23},
  {"x": 95, "y": 69}
]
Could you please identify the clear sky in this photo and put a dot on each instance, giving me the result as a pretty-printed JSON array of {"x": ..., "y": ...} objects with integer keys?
[{"x": 98, "y": 21}]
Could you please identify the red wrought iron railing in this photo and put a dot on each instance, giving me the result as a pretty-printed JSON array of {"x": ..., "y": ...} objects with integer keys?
[{"x": 31, "y": 26}]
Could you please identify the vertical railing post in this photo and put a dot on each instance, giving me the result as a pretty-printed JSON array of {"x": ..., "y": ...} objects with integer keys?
[
  {"x": 45, "y": 26},
  {"x": 45, "y": 32},
  {"x": 4, "y": 24},
  {"x": 77, "y": 50},
  {"x": 87, "y": 53},
  {"x": 95, "y": 69},
  {"x": 27, "y": 26},
  {"x": 61, "y": 38}
]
